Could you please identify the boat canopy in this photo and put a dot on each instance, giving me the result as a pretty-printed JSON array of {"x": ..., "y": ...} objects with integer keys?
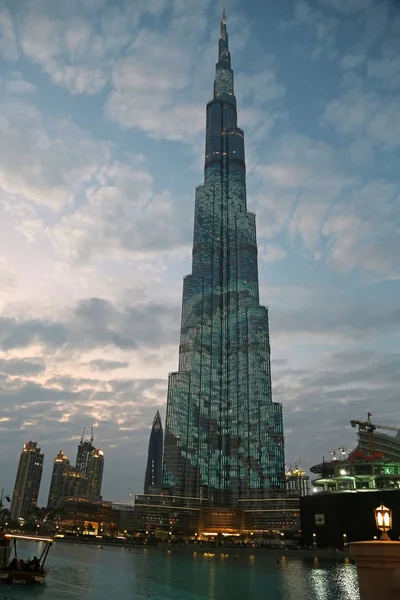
[{"x": 35, "y": 538}]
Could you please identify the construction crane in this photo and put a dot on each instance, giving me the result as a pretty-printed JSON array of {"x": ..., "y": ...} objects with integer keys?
[
  {"x": 342, "y": 451},
  {"x": 370, "y": 427},
  {"x": 333, "y": 453}
]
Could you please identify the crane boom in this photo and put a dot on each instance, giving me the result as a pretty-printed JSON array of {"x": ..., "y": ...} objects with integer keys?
[{"x": 370, "y": 427}]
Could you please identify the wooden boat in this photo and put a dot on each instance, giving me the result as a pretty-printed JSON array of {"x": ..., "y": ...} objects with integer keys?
[{"x": 29, "y": 574}]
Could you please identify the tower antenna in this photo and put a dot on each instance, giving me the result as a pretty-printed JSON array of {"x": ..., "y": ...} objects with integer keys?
[{"x": 224, "y": 11}]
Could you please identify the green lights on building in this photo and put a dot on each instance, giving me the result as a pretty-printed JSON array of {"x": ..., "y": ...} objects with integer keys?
[{"x": 224, "y": 435}]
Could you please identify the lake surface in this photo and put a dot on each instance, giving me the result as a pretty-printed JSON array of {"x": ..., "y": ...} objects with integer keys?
[{"x": 93, "y": 573}]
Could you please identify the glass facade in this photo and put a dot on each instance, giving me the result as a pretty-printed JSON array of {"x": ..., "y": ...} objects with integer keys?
[{"x": 224, "y": 435}]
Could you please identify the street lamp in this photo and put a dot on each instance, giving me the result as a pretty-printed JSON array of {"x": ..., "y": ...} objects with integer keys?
[
  {"x": 383, "y": 520},
  {"x": 2, "y": 498}
]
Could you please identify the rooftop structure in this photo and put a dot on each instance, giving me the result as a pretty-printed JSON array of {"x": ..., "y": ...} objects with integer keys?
[{"x": 359, "y": 472}]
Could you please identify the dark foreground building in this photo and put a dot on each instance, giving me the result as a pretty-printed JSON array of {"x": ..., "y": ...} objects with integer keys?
[
  {"x": 224, "y": 436},
  {"x": 154, "y": 457},
  {"x": 331, "y": 520}
]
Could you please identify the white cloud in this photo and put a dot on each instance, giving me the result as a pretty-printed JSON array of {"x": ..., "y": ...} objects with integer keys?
[
  {"x": 271, "y": 253},
  {"x": 146, "y": 87},
  {"x": 351, "y": 112},
  {"x": 123, "y": 216},
  {"x": 43, "y": 160},
  {"x": 261, "y": 87},
  {"x": 386, "y": 70},
  {"x": 80, "y": 80},
  {"x": 304, "y": 182},
  {"x": 352, "y": 61},
  {"x": 19, "y": 87},
  {"x": 7, "y": 276},
  {"x": 363, "y": 231},
  {"x": 8, "y": 39},
  {"x": 322, "y": 25},
  {"x": 349, "y": 7},
  {"x": 366, "y": 114}
]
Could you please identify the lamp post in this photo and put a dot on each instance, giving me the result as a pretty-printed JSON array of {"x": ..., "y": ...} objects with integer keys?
[
  {"x": 2, "y": 498},
  {"x": 383, "y": 520}
]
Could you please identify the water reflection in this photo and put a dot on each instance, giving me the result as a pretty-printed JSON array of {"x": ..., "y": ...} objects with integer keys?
[
  {"x": 82, "y": 573},
  {"x": 347, "y": 582},
  {"x": 319, "y": 579},
  {"x": 293, "y": 575}
]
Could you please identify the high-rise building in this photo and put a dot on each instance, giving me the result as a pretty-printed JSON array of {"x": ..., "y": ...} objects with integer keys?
[
  {"x": 297, "y": 482},
  {"x": 154, "y": 456},
  {"x": 27, "y": 482},
  {"x": 74, "y": 483},
  {"x": 90, "y": 463},
  {"x": 66, "y": 481},
  {"x": 56, "y": 492},
  {"x": 224, "y": 435},
  {"x": 95, "y": 468},
  {"x": 85, "y": 449}
]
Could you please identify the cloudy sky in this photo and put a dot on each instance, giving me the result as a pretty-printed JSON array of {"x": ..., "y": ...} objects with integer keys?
[{"x": 102, "y": 119}]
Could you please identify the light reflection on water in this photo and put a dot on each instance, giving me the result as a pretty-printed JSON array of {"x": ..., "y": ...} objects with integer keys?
[{"x": 91, "y": 573}]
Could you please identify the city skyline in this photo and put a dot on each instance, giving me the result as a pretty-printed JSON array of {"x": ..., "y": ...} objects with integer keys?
[{"x": 101, "y": 145}]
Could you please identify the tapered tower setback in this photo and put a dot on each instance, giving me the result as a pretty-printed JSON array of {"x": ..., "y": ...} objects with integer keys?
[{"x": 224, "y": 435}]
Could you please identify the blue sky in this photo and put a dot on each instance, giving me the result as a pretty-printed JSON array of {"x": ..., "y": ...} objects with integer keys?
[{"x": 101, "y": 146}]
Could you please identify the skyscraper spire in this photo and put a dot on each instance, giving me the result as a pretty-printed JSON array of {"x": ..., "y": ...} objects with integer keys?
[
  {"x": 224, "y": 12},
  {"x": 224, "y": 435}
]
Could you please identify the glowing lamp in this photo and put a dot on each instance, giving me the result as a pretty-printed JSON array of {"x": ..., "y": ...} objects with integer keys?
[{"x": 383, "y": 520}]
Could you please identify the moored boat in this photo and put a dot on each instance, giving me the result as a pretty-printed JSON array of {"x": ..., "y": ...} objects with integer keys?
[{"x": 18, "y": 571}]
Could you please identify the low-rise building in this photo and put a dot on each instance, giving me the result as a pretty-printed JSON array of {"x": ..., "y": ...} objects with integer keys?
[{"x": 80, "y": 514}]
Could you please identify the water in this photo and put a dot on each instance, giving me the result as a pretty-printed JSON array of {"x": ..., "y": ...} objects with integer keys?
[{"x": 91, "y": 573}]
